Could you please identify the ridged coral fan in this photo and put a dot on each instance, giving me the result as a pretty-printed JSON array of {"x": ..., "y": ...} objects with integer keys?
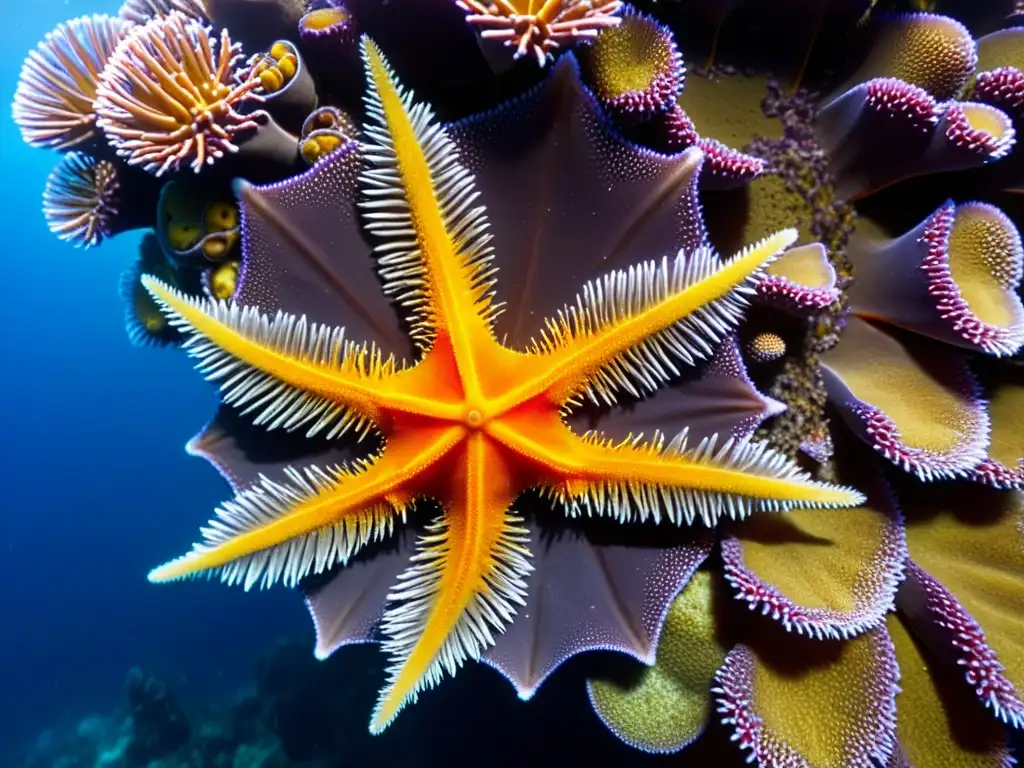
[{"x": 53, "y": 106}]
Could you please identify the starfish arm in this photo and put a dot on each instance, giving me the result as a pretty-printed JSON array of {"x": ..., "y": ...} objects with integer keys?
[
  {"x": 314, "y": 519},
  {"x": 462, "y": 585},
  {"x": 637, "y": 479},
  {"x": 628, "y": 330},
  {"x": 289, "y": 372},
  {"x": 435, "y": 255}
]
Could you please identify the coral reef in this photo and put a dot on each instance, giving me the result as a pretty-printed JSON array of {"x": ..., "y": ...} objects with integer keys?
[{"x": 362, "y": 214}]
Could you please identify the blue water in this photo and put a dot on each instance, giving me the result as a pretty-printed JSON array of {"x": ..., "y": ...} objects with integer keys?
[{"x": 97, "y": 488}]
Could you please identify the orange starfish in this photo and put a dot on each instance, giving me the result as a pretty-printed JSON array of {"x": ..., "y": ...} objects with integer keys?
[{"x": 471, "y": 424}]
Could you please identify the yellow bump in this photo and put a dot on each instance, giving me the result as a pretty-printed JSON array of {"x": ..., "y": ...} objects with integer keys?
[
  {"x": 279, "y": 50},
  {"x": 311, "y": 151},
  {"x": 271, "y": 80},
  {"x": 328, "y": 142},
  {"x": 288, "y": 66},
  {"x": 220, "y": 216},
  {"x": 224, "y": 280},
  {"x": 183, "y": 236}
]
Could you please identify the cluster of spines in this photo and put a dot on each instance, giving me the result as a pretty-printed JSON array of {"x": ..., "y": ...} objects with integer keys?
[
  {"x": 622, "y": 294},
  {"x": 1002, "y": 87},
  {"x": 626, "y": 502},
  {"x": 388, "y": 215},
  {"x": 896, "y": 98},
  {"x": 490, "y": 610},
  {"x": 982, "y": 669},
  {"x": 291, "y": 561},
  {"x": 278, "y": 405},
  {"x": 80, "y": 201},
  {"x": 885, "y": 437},
  {"x": 981, "y": 141}
]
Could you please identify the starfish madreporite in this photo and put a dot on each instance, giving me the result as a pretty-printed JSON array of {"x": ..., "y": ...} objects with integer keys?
[{"x": 471, "y": 424}]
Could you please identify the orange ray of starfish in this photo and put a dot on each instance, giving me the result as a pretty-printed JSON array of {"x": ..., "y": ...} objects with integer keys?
[{"x": 472, "y": 424}]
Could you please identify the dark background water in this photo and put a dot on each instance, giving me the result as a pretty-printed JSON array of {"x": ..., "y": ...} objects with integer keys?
[{"x": 97, "y": 488}]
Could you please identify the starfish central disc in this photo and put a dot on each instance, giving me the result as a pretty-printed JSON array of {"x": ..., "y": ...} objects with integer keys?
[{"x": 471, "y": 424}]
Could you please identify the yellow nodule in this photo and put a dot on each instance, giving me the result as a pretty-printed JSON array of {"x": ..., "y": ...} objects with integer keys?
[
  {"x": 220, "y": 216},
  {"x": 183, "y": 236},
  {"x": 311, "y": 151},
  {"x": 224, "y": 280}
]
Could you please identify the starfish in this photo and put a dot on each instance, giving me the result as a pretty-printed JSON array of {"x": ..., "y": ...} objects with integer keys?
[{"x": 472, "y": 424}]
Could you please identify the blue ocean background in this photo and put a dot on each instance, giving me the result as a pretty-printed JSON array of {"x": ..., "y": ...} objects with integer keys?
[{"x": 97, "y": 486}]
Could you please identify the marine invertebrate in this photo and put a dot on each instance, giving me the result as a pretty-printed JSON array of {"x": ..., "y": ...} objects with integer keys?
[
  {"x": 469, "y": 401},
  {"x": 954, "y": 277},
  {"x": 87, "y": 200},
  {"x": 885, "y": 130},
  {"x": 196, "y": 121},
  {"x": 800, "y": 281},
  {"x": 53, "y": 105},
  {"x": 538, "y": 31},
  {"x": 81, "y": 199},
  {"x": 635, "y": 68},
  {"x": 141, "y": 11},
  {"x": 145, "y": 323},
  {"x": 918, "y": 405},
  {"x": 285, "y": 83},
  {"x": 766, "y": 347},
  {"x": 325, "y": 130},
  {"x": 926, "y": 50},
  {"x": 196, "y": 225}
]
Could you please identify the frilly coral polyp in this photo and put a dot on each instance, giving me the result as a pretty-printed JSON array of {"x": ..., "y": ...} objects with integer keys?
[
  {"x": 53, "y": 105},
  {"x": 942, "y": 618},
  {"x": 520, "y": 25},
  {"x": 87, "y": 200},
  {"x": 954, "y": 277},
  {"x": 286, "y": 87},
  {"x": 914, "y": 402},
  {"x": 885, "y": 130},
  {"x": 801, "y": 281},
  {"x": 936, "y": 53},
  {"x": 635, "y": 68},
  {"x": 197, "y": 121}
]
